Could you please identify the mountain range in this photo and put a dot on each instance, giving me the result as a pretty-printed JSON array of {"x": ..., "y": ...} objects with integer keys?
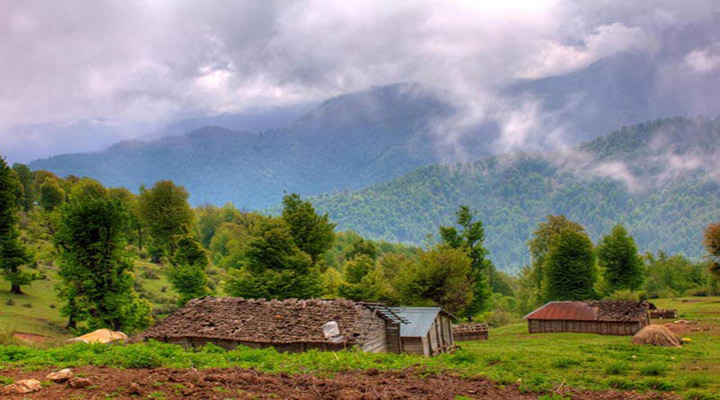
[
  {"x": 661, "y": 179},
  {"x": 384, "y": 161}
]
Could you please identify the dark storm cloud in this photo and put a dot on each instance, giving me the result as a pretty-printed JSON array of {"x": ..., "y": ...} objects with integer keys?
[{"x": 127, "y": 67}]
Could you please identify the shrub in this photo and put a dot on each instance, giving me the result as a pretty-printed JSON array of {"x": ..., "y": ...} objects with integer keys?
[
  {"x": 660, "y": 385},
  {"x": 617, "y": 368},
  {"x": 653, "y": 369},
  {"x": 695, "y": 382},
  {"x": 621, "y": 384},
  {"x": 699, "y": 395}
]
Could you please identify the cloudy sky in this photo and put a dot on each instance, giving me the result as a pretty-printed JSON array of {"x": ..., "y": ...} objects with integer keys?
[{"x": 79, "y": 75}]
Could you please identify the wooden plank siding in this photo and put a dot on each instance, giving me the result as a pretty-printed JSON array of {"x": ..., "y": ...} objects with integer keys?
[{"x": 598, "y": 327}]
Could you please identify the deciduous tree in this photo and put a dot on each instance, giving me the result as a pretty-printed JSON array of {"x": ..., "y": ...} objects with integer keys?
[
  {"x": 51, "y": 195},
  {"x": 712, "y": 244},
  {"x": 96, "y": 283},
  {"x": 470, "y": 239},
  {"x": 187, "y": 272},
  {"x": 440, "y": 278},
  {"x": 164, "y": 209},
  {"x": 275, "y": 267},
  {"x": 312, "y": 233}
]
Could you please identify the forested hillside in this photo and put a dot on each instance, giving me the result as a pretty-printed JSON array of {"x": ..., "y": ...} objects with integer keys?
[
  {"x": 349, "y": 141},
  {"x": 660, "y": 179}
]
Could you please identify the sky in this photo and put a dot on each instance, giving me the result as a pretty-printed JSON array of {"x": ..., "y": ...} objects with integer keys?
[{"x": 80, "y": 75}]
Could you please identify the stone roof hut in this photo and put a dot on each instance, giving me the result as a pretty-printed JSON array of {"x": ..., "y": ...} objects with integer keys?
[
  {"x": 602, "y": 317},
  {"x": 289, "y": 325}
]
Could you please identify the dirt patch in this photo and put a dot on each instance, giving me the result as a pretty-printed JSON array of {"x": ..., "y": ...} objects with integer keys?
[
  {"x": 32, "y": 337},
  {"x": 683, "y": 328},
  {"x": 247, "y": 384}
]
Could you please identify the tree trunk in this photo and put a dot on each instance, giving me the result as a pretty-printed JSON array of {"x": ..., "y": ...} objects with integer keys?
[
  {"x": 15, "y": 289},
  {"x": 72, "y": 324}
]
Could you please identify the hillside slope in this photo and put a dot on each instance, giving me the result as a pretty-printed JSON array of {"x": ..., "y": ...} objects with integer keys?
[
  {"x": 660, "y": 179},
  {"x": 350, "y": 141}
]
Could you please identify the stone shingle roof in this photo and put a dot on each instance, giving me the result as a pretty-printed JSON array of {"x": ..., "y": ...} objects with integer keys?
[{"x": 261, "y": 321}]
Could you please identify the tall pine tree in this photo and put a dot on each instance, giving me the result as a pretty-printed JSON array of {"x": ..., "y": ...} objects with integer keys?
[
  {"x": 619, "y": 258},
  {"x": 570, "y": 267},
  {"x": 13, "y": 253},
  {"x": 470, "y": 239}
]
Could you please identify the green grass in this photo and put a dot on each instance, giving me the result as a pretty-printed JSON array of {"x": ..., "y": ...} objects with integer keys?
[
  {"x": 37, "y": 311},
  {"x": 538, "y": 362}
]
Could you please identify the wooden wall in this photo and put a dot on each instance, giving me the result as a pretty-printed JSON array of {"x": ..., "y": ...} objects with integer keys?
[
  {"x": 439, "y": 339},
  {"x": 373, "y": 336},
  {"x": 413, "y": 345},
  {"x": 599, "y": 327},
  {"x": 188, "y": 342},
  {"x": 392, "y": 338},
  {"x": 470, "y": 335}
]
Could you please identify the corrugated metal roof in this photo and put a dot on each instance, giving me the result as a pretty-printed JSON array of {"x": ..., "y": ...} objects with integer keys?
[
  {"x": 591, "y": 310},
  {"x": 420, "y": 319},
  {"x": 565, "y": 310}
]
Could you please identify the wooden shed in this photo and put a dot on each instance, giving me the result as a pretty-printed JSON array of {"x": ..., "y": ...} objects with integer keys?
[
  {"x": 467, "y": 332},
  {"x": 601, "y": 317},
  {"x": 289, "y": 325},
  {"x": 426, "y": 330}
]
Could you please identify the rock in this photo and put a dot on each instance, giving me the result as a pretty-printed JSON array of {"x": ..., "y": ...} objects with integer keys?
[
  {"x": 23, "y": 386},
  {"x": 60, "y": 376},
  {"x": 79, "y": 383},
  {"x": 134, "y": 389}
]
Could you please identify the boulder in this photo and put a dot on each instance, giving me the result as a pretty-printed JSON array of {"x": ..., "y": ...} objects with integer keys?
[
  {"x": 657, "y": 335},
  {"x": 60, "y": 376},
  {"x": 79, "y": 383},
  {"x": 23, "y": 387}
]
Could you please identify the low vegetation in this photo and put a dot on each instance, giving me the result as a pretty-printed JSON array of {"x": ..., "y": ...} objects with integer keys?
[{"x": 539, "y": 362}]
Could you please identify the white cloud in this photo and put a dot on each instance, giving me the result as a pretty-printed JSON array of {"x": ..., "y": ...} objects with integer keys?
[
  {"x": 704, "y": 60},
  {"x": 557, "y": 58},
  {"x": 144, "y": 62}
]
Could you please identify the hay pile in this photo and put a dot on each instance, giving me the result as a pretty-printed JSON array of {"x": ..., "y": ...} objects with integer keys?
[{"x": 657, "y": 335}]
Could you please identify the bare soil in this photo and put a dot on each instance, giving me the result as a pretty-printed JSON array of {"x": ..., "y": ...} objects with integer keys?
[
  {"x": 32, "y": 337},
  {"x": 219, "y": 384}
]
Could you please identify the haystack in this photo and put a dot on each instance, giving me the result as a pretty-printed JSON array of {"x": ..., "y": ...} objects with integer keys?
[
  {"x": 657, "y": 335},
  {"x": 101, "y": 336}
]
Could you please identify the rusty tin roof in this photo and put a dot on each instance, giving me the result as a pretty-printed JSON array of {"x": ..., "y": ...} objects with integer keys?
[{"x": 591, "y": 311}]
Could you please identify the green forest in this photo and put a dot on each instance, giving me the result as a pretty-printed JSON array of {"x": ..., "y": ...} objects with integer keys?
[
  {"x": 112, "y": 258},
  {"x": 659, "y": 179}
]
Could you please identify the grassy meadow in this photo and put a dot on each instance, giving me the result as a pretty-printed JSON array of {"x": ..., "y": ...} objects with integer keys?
[{"x": 538, "y": 362}]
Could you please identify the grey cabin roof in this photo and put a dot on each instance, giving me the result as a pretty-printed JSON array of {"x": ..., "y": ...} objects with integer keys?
[{"x": 420, "y": 319}]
